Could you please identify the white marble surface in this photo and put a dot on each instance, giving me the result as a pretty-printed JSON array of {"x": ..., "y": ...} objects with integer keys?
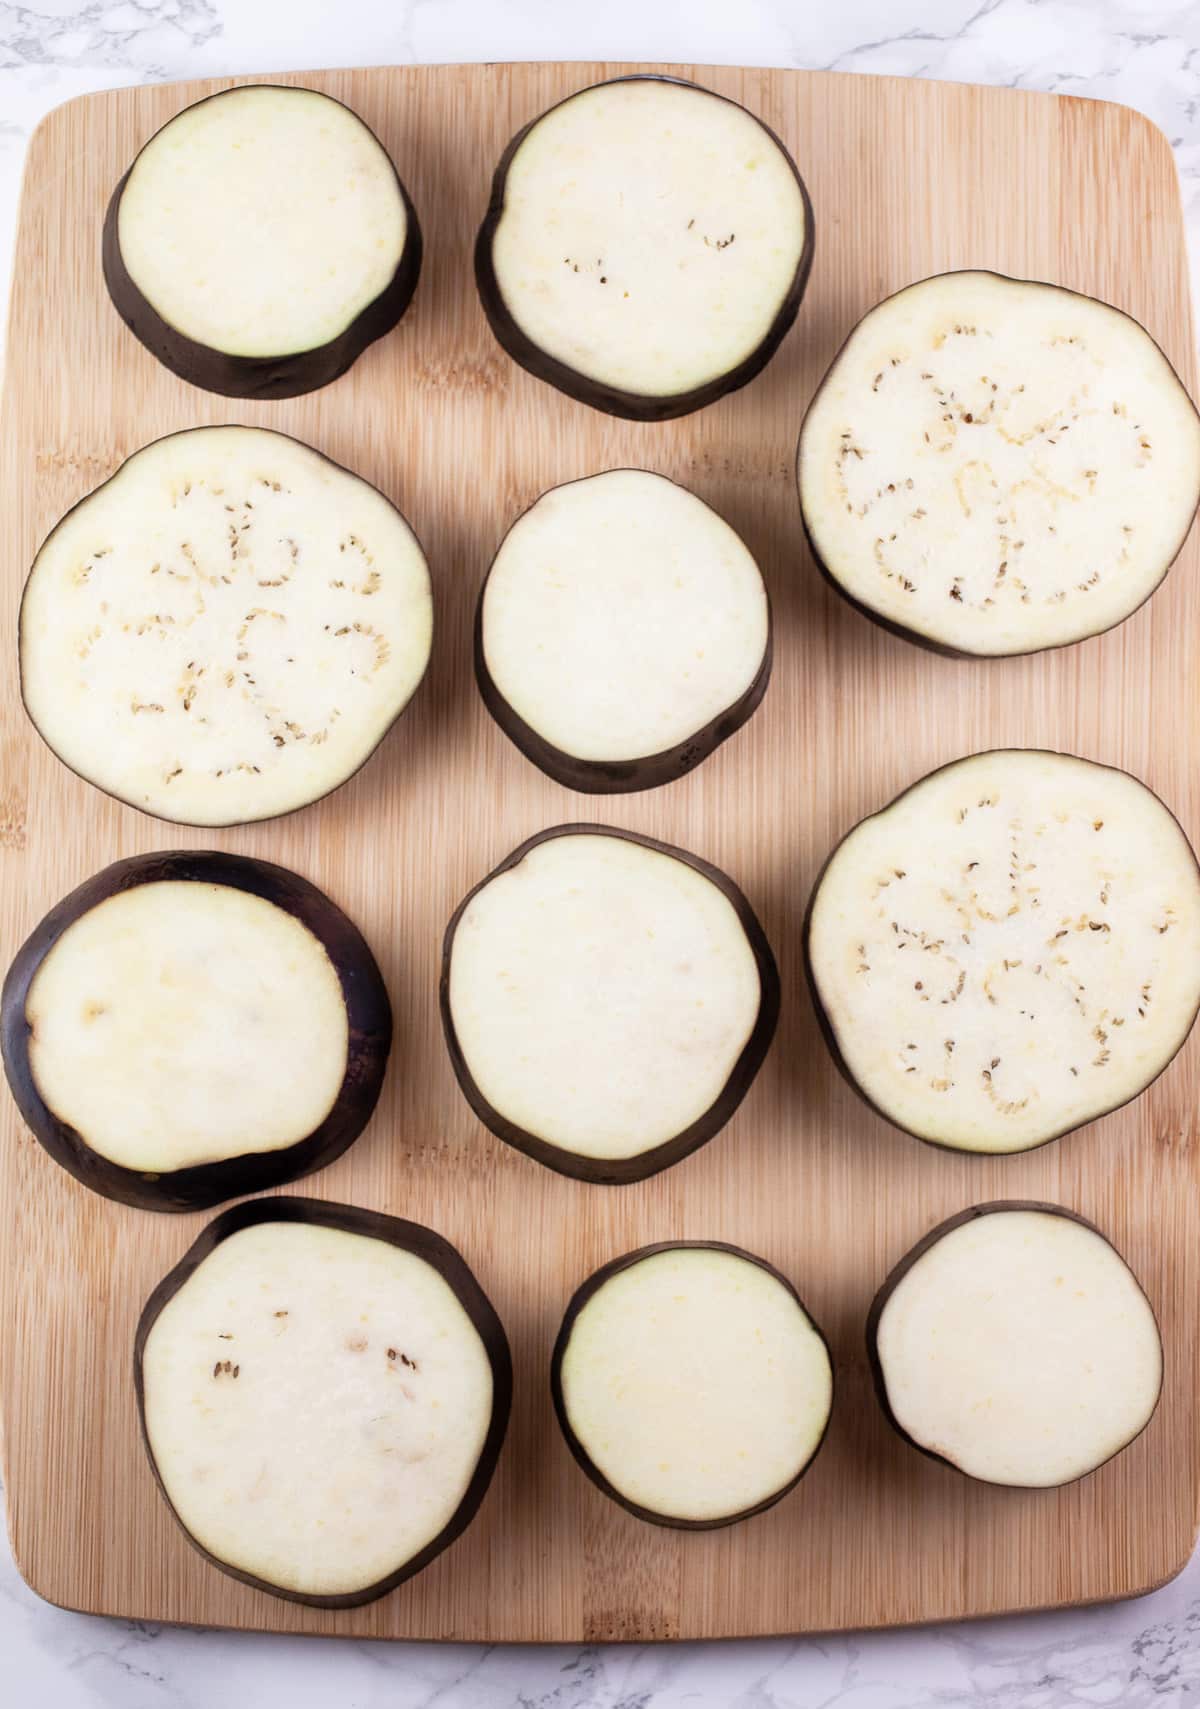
[{"x": 1142, "y": 52}]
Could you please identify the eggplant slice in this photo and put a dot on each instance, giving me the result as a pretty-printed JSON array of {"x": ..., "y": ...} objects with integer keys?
[
  {"x": 646, "y": 247},
  {"x": 607, "y": 1001},
  {"x": 623, "y": 632},
  {"x": 1009, "y": 950},
  {"x": 323, "y": 1395},
  {"x": 1015, "y": 1344},
  {"x": 994, "y": 465},
  {"x": 260, "y": 241},
  {"x": 691, "y": 1384},
  {"x": 186, "y": 1027},
  {"x": 226, "y": 629}
]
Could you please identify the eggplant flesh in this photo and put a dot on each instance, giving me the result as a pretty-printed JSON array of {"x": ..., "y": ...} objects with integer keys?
[
  {"x": 1015, "y": 1343},
  {"x": 995, "y": 466},
  {"x": 607, "y": 1001},
  {"x": 186, "y": 1027},
  {"x": 226, "y": 629},
  {"x": 646, "y": 247},
  {"x": 323, "y": 1394},
  {"x": 260, "y": 241},
  {"x": 691, "y": 1384},
  {"x": 1009, "y": 950},
  {"x": 623, "y": 632}
]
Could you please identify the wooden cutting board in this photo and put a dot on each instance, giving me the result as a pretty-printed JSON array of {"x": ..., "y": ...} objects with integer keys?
[{"x": 907, "y": 179}]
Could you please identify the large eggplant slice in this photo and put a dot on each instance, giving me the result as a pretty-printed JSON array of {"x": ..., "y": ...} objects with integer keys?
[
  {"x": 646, "y": 247},
  {"x": 623, "y": 632},
  {"x": 1009, "y": 950},
  {"x": 186, "y": 1027},
  {"x": 323, "y": 1395},
  {"x": 1014, "y": 1343},
  {"x": 607, "y": 1001},
  {"x": 260, "y": 241},
  {"x": 226, "y": 629},
  {"x": 995, "y": 465},
  {"x": 691, "y": 1384}
]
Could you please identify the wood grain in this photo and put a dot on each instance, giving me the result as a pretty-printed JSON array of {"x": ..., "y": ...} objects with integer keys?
[{"x": 907, "y": 179}]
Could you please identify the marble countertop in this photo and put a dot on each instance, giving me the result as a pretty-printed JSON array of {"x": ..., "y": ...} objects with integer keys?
[{"x": 1145, "y": 53}]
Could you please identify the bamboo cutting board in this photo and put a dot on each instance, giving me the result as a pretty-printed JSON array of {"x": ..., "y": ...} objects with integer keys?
[{"x": 907, "y": 179}]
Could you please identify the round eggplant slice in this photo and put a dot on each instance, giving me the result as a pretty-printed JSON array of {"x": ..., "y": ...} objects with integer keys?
[
  {"x": 1009, "y": 950},
  {"x": 607, "y": 1001},
  {"x": 260, "y": 241},
  {"x": 623, "y": 632},
  {"x": 691, "y": 1384},
  {"x": 186, "y": 1027},
  {"x": 226, "y": 629},
  {"x": 994, "y": 465},
  {"x": 1015, "y": 1344},
  {"x": 323, "y": 1395},
  {"x": 646, "y": 247}
]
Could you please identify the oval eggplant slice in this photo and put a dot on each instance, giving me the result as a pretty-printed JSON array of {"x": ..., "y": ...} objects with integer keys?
[
  {"x": 607, "y": 1001},
  {"x": 260, "y": 241},
  {"x": 1009, "y": 950},
  {"x": 646, "y": 247},
  {"x": 993, "y": 465},
  {"x": 323, "y": 1394},
  {"x": 691, "y": 1384},
  {"x": 623, "y": 632},
  {"x": 186, "y": 1027},
  {"x": 1015, "y": 1344},
  {"x": 226, "y": 629}
]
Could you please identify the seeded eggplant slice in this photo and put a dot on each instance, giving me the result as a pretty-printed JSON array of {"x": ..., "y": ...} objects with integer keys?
[
  {"x": 646, "y": 247},
  {"x": 186, "y": 1027},
  {"x": 623, "y": 632},
  {"x": 226, "y": 629},
  {"x": 607, "y": 1001},
  {"x": 994, "y": 465},
  {"x": 690, "y": 1383},
  {"x": 1009, "y": 950},
  {"x": 323, "y": 1394},
  {"x": 260, "y": 241},
  {"x": 1015, "y": 1343}
]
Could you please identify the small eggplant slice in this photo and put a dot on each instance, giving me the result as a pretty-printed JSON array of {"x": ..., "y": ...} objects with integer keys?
[
  {"x": 186, "y": 1027},
  {"x": 226, "y": 629},
  {"x": 1009, "y": 950},
  {"x": 607, "y": 1001},
  {"x": 260, "y": 241},
  {"x": 323, "y": 1395},
  {"x": 1014, "y": 1343},
  {"x": 646, "y": 247},
  {"x": 994, "y": 466},
  {"x": 623, "y": 632},
  {"x": 691, "y": 1384}
]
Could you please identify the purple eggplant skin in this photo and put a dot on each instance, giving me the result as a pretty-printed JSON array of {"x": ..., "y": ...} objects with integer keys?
[
  {"x": 897, "y": 1275},
  {"x": 826, "y": 1025},
  {"x": 287, "y": 375},
  {"x": 621, "y": 1171},
  {"x": 576, "y": 1304},
  {"x": 368, "y": 1013},
  {"x": 616, "y": 777},
  {"x": 409, "y": 1237},
  {"x": 632, "y": 406},
  {"x": 889, "y": 624}
]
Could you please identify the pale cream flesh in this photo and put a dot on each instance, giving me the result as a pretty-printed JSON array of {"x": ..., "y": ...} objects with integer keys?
[
  {"x": 316, "y": 1404},
  {"x": 696, "y": 1384},
  {"x": 1010, "y": 949},
  {"x": 621, "y": 616},
  {"x": 1020, "y": 1348}
]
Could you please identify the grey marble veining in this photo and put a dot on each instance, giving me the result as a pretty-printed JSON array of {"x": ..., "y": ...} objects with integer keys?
[{"x": 1140, "y": 1655}]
